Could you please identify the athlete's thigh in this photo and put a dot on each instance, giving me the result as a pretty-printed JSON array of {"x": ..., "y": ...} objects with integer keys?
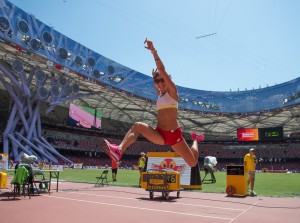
[
  {"x": 184, "y": 151},
  {"x": 151, "y": 134}
]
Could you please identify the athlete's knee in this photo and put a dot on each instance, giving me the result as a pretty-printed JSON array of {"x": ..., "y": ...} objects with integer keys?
[
  {"x": 193, "y": 163},
  {"x": 137, "y": 127}
]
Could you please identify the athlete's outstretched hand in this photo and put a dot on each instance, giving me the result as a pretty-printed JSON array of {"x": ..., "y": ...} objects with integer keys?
[{"x": 149, "y": 45}]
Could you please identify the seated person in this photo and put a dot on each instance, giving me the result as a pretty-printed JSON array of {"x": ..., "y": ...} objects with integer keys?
[{"x": 26, "y": 162}]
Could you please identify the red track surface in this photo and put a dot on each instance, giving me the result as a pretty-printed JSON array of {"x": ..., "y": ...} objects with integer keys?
[{"x": 76, "y": 202}]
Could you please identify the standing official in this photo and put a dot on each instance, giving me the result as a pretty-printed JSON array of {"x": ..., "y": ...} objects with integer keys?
[{"x": 250, "y": 163}]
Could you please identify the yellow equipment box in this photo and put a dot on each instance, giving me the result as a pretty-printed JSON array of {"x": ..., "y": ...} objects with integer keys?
[
  {"x": 161, "y": 181},
  {"x": 173, "y": 162},
  {"x": 236, "y": 180},
  {"x": 3, "y": 180}
]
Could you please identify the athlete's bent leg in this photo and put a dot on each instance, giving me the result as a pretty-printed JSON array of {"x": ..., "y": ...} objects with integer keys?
[
  {"x": 115, "y": 152},
  {"x": 190, "y": 155},
  {"x": 144, "y": 129}
]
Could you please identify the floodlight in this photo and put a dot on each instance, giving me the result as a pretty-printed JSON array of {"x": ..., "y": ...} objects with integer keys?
[
  {"x": 47, "y": 37},
  {"x": 54, "y": 91},
  {"x": 110, "y": 69},
  {"x": 96, "y": 74},
  {"x": 23, "y": 27},
  {"x": 91, "y": 62},
  {"x": 63, "y": 53},
  {"x": 35, "y": 44},
  {"x": 40, "y": 75},
  {"x": 78, "y": 61},
  {"x": 43, "y": 93},
  {"x": 4, "y": 24}
]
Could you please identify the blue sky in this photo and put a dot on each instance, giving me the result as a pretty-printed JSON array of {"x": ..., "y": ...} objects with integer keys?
[{"x": 257, "y": 42}]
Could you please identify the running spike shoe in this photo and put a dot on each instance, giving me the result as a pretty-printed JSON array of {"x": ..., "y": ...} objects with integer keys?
[
  {"x": 113, "y": 151},
  {"x": 197, "y": 136}
]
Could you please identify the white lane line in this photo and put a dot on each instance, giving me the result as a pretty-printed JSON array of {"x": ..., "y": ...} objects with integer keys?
[
  {"x": 215, "y": 207},
  {"x": 177, "y": 203},
  {"x": 141, "y": 208},
  {"x": 243, "y": 212}
]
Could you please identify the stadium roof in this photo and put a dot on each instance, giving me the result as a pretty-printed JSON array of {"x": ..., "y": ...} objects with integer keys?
[{"x": 127, "y": 95}]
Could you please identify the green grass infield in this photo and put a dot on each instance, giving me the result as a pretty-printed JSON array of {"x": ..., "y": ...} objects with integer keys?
[{"x": 266, "y": 184}]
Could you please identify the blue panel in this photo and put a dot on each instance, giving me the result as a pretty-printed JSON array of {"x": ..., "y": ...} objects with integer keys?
[{"x": 133, "y": 82}]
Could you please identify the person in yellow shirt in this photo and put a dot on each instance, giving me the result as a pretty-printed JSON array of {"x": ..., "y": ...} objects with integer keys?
[
  {"x": 250, "y": 163},
  {"x": 141, "y": 164}
]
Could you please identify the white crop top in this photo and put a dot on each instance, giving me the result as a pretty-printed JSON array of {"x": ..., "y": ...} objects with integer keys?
[{"x": 166, "y": 101}]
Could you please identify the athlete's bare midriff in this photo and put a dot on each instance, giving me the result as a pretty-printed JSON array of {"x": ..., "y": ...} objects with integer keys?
[{"x": 167, "y": 119}]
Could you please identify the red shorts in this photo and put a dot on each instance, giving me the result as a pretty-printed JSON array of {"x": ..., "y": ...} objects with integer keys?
[{"x": 171, "y": 137}]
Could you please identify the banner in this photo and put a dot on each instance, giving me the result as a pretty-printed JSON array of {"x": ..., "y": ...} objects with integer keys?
[
  {"x": 248, "y": 134},
  {"x": 77, "y": 165}
]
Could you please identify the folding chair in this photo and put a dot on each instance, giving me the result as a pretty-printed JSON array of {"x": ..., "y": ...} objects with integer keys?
[
  {"x": 21, "y": 182},
  {"x": 102, "y": 177},
  {"x": 40, "y": 182}
]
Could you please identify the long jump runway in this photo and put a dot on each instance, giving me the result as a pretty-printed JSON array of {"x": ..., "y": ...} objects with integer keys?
[{"x": 77, "y": 202}]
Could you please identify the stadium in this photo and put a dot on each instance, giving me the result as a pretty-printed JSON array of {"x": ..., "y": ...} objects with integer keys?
[
  {"x": 60, "y": 70},
  {"x": 61, "y": 99}
]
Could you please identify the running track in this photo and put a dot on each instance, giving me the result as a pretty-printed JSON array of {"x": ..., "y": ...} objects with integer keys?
[{"x": 77, "y": 202}]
